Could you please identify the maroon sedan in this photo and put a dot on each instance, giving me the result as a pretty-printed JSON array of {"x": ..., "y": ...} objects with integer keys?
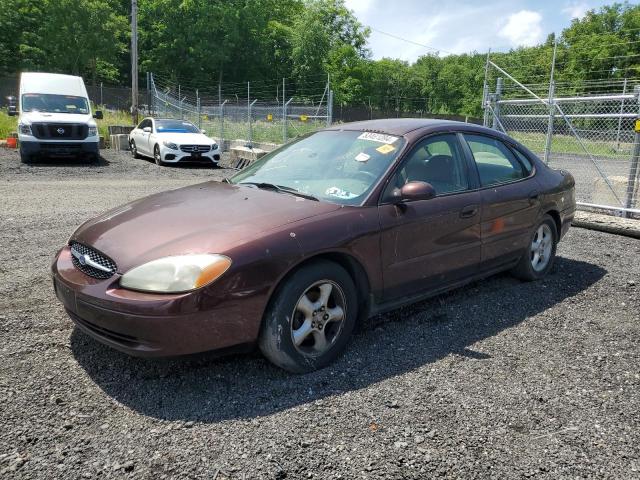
[{"x": 322, "y": 233}]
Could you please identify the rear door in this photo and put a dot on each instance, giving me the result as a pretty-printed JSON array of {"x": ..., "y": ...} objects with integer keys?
[
  {"x": 429, "y": 244},
  {"x": 510, "y": 199}
]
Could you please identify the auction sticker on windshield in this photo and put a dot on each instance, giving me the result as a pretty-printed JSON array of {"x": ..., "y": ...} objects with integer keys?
[{"x": 378, "y": 137}]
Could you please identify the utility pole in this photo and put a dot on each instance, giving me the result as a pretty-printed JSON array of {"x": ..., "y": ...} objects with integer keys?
[{"x": 134, "y": 61}]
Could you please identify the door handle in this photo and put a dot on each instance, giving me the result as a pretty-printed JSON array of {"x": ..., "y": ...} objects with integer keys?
[{"x": 469, "y": 211}]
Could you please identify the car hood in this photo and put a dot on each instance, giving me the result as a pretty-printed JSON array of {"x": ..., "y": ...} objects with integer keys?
[
  {"x": 46, "y": 117},
  {"x": 209, "y": 217},
  {"x": 185, "y": 138}
]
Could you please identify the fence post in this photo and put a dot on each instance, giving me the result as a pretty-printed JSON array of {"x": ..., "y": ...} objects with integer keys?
[
  {"x": 635, "y": 159},
  {"x": 149, "y": 93},
  {"x": 496, "y": 109},
  {"x": 485, "y": 93},
  {"x": 222, "y": 125},
  {"x": 285, "y": 134},
  {"x": 250, "y": 108},
  {"x": 284, "y": 113},
  {"x": 552, "y": 111},
  {"x": 624, "y": 92},
  {"x": 198, "y": 110},
  {"x": 552, "y": 107}
]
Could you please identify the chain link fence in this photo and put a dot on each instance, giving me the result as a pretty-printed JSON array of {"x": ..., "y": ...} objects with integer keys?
[
  {"x": 593, "y": 136},
  {"x": 242, "y": 117}
]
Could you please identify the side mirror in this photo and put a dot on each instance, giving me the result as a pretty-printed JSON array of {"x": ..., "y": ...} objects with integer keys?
[
  {"x": 98, "y": 115},
  {"x": 146, "y": 129},
  {"x": 412, "y": 191},
  {"x": 12, "y": 111}
]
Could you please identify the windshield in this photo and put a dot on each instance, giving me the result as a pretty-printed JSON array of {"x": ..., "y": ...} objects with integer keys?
[
  {"x": 44, "y": 102},
  {"x": 175, "y": 126},
  {"x": 336, "y": 166}
]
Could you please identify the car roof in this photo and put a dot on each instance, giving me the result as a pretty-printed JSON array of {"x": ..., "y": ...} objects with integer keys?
[{"x": 397, "y": 126}]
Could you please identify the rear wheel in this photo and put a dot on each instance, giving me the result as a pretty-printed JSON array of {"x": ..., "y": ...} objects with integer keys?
[
  {"x": 309, "y": 322},
  {"x": 25, "y": 158},
  {"x": 540, "y": 255},
  {"x": 156, "y": 155}
]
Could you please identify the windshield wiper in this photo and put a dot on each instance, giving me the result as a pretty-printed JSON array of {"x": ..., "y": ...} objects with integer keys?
[{"x": 280, "y": 189}]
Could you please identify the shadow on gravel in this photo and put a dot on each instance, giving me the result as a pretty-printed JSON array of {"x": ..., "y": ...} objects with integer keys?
[
  {"x": 68, "y": 162},
  {"x": 207, "y": 388}
]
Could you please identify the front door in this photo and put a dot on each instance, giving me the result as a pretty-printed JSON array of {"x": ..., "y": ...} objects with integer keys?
[{"x": 429, "y": 244}]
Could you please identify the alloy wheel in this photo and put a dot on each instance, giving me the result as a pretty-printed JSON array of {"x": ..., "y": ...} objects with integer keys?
[
  {"x": 318, "y": 318},
  {"x": 541, "y": 247}
]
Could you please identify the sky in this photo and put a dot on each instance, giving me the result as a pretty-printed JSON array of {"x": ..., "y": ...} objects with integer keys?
[{"x": 464, "y": 25}]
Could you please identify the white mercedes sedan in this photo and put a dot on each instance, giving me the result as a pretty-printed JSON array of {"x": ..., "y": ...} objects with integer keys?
[{"x": 168, "y": 140}]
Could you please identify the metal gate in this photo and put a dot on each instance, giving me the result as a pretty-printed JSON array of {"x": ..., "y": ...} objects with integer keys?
[{"x": 592, "y": 136}]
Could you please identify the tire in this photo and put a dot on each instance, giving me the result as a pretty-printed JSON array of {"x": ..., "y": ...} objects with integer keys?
[
  {"x": 298, "y": 310},
  {"x": 134, "y": 150},
  {"x": 25, "y": 158},
  {"x": 156, "y": 156},
  {"x": 539, "y": 258}
]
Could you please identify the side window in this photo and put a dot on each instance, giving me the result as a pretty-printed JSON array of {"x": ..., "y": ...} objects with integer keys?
[
  {"x": 142, "y": 124},
  {"x": 524, "y": 160},
  {"x": 496, "y": 163},
  {"x": 437, "y": 160}
]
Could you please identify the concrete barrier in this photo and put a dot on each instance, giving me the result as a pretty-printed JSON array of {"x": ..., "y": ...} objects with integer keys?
[
  {"x": 119, "y": 142},
  {"x": 241, "y": 157}
]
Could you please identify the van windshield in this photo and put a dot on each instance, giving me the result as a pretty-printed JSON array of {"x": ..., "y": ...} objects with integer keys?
[{"x": 44, "y": 102}]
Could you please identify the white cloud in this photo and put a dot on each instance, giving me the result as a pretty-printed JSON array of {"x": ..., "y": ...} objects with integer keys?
[
  {"x": 358, "y": 6},
  {"x": 576, "y": 10},
  {"x": 523, "y": 28}
]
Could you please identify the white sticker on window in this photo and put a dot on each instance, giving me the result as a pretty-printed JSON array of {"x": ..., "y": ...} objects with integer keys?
[
  {"x": 339, "y": 193},
  {"x": 362, "y": 157},
  {"x": 377, "y": 137}
]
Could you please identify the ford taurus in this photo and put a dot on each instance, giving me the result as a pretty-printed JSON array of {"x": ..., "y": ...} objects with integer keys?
[{"x": 293, "y": 251}]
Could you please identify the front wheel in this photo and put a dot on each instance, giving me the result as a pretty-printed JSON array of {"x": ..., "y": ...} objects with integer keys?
[
  {"x": 539, "y": 257},
  {"x": 309, "y": 321},
  {"x": 25, "y": 158},
  {"x": 134, "y": 149},
  {"x": 156, "y": 155}
]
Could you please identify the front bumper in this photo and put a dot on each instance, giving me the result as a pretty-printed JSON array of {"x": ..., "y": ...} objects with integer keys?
[
  {"x": 148, "y": 325},
  {"x": 175, "y": 156},
  {"x": 59, "y": 149}
]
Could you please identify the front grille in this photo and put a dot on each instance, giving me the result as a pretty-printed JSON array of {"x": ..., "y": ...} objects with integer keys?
[
  {"x": 195, "y": 148},
  {"x": 62, "y": 131},
  {"x": 82, "y": 251}
]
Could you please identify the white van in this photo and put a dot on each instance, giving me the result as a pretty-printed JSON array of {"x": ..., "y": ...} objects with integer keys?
[{"x": 55, "y": 117}]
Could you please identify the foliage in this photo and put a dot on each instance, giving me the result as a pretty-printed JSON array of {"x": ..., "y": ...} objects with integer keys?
[{"x": 204, "y": 42}]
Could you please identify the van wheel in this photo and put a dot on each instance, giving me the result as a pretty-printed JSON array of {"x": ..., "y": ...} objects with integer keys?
[
  {"x": 25, "y": 158},
  {"x": 310, "y": 319},
  {"x": 156, "y": 155},
  {"x": 539, "y": 257}
]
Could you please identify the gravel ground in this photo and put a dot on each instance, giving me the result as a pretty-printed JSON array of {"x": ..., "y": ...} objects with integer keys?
[{"x": 500, "y": 379}]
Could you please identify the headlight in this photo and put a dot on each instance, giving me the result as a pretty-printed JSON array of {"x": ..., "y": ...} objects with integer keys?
[
  {"x": 93, "y": 131},
  {"x": 25, "y": 129},
  {"x": 170, "y": 145},
  {"x": 176, "y": 274}
]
